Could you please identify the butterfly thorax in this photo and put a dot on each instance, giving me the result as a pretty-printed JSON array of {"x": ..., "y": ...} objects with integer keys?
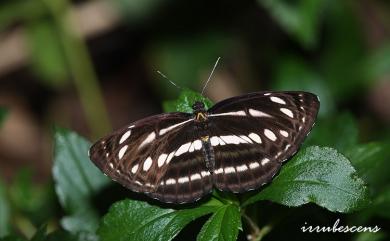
[{"x": 199, "y": 111}]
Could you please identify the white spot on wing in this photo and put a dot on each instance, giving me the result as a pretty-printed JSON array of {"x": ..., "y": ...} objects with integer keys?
[
  {"x": 122, "y": 152},
  {"x": 192, "y": 147},
  {"x": 257, "y": 113},
  {"x": 218, "y": 171},
  {"x": 170, "y": 181},
  {"x": 265, "y": 161},
  {"x": 111, "y": 165},
  {"x": 246, "y": 139},
  {"x": 283, "y": 133},
  {"x": 161, "y": 159},
  {"x": 229, "y": 170},
  {"x": 148, "y": 139},
  {"x": 195, "y": 176},
  {"x": 287, "y": 112},
  {"x": 214, "y": 141},
  {"x": 255, "y": 137},
  {"x": 267, "y": 94},
  {"x": 169, "y": 128},
  {"x": 170, "y": 156},
  {"x": 270, "y": 135},
  {"x": 231, "y": 139},
  {"x": 183, "y": 180},
  {"x": 147, "y": 164},
  {"x": 134, "y": 169},
  {"x": 205, "y": 174},
  {"x": 125, "y": 136},
  {"x": 254, "y": 165},
  {"x": 242, "y": 168},
  {"x": 197, "y": 145},
  {"x": 236, "y": 113},
  {"x": 287, "y": 146},
  {"x": 183, "y": 149},
  {"x": 277, "y": 100}
]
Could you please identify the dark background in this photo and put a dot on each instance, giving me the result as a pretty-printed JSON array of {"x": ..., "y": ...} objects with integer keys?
[{"x": 90, "y": 66}]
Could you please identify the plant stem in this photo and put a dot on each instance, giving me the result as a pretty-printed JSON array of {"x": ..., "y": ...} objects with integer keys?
[
  {"x": 81, "y": 68},
  {"x": 24, "y": 226},
  {"x": 257, "y": 234}
]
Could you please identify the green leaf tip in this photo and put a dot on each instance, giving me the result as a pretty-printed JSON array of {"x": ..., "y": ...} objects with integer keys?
[
  {"x": 224, "y": 224},
  {"x": 319, "y": 175},
  {"x": 76, "y": 181},
  {"x": 185, "y": 101}
]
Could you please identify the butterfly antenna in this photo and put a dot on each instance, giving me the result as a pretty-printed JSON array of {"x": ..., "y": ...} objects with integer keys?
[
  {"x": 211, "y": 74},
  {"x": 170, "y": 81}
]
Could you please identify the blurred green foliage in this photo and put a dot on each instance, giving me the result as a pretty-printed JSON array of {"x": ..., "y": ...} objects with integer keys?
[
  {"x": 3, "y": 115},
  {"x": 299, "y": 18},
  {"x": 327, "y": 54},
  {"x": 76, "y": 181}
]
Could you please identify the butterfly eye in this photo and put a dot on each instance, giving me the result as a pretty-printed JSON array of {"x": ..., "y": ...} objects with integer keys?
[{"x": 238, "y": 145}]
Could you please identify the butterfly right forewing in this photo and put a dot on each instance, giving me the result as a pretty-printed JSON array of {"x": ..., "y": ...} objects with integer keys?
[{"x": 253, "y": 134}]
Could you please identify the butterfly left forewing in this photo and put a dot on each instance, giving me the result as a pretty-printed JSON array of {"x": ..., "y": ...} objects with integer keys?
[{"x": 158, "y": 156}]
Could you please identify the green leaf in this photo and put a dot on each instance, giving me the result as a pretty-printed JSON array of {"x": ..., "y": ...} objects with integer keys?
[
  {"x": 136, "y": 220},
  {"x": 4, "y": 211},
  {"x": 381, "y": 203},
  {"x": 300, "y": 19},
  {"x": 343, "y": 56},
  {"x": 48, "y": 60},
  {"x": 317, "y": 175},
  {"x": 35, "y": 201},
  {"x": 368, "y": 236},
  {"x": 40, "y": 234},
  {"x": 12, "y": 238},
  {"x": 339, "y": 132},
  {"x": 224, "y": 224},
  {"x": 372, "y": 163},
  {"x": 76, "y": 181},
  {"x": 19, "y": 10},
  {"x": 185, "y": 101},
  {"x": 3, "y": 115}
]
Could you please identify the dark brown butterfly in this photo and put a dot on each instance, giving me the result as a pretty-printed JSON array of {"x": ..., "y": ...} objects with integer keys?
[{"x": 237, "y": 145}]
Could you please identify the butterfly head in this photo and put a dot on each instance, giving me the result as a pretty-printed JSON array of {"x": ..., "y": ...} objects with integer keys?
[{"x": 199, "y": 111}]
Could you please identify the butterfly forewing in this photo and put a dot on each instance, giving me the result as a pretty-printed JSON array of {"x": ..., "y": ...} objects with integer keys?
[
  {"x": 150, "y": 156},
  {"x": 237, "y": 145}
]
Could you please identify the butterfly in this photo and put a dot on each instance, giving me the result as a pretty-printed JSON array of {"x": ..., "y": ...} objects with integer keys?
[{"x": 237, "y": 145}]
